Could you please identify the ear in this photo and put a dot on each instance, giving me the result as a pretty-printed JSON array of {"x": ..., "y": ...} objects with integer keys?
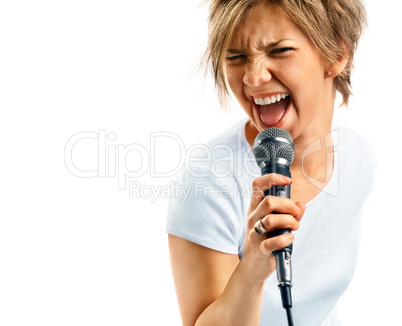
[{"x": 333, "y": 70}]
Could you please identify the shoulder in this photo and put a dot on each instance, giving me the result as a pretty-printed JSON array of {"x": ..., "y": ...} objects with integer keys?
[
  {"x": 208, "y": 208},
  {"x": 356, "y": 158},
  {"x": 353, "y": 139},
  {"x": 354, "y": 147},
  {"x": 213, "y": 166}
]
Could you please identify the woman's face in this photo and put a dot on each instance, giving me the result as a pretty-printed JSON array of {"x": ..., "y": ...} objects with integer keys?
[{"x": 278, "y": 76}]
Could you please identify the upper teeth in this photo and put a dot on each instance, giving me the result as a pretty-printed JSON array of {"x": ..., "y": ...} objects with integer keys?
[{"x": 269, "y": 100}]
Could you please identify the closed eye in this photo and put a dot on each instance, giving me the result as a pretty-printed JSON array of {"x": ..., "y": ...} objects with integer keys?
[
  {"x": 281, "y": 50},
  {"x": 240, "y": 56}
]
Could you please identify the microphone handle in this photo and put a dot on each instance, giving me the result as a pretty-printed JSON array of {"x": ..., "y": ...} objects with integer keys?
[
  {"x": 279, "y": 191},
  {"x": 282, "y": 256}
]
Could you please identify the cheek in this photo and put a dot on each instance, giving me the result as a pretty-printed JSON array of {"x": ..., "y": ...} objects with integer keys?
[
  {"x": 307, "y": 84},
  {"x": 234, "y": 78}
]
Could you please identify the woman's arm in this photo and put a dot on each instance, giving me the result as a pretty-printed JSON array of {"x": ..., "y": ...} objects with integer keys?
[
  {"x": 214, "y": 288},
  {"x": 202, "y": 276}
]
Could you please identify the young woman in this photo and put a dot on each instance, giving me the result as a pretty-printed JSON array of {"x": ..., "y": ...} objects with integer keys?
[{"x": 284, "y": 61}]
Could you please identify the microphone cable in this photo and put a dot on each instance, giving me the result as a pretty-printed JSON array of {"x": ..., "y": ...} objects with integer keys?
[
  {"x": 289, "y": 316},
  {"x": 286, "y": 296}
]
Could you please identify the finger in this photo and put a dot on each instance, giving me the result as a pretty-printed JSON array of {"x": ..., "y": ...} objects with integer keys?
[
  {"x": 270, "y": 245},
  {"x": 280, "y": 205},
  {"x": 280, "y": 221},
  {"x": 262, "y": 184},
  {"x": 302, "y": 210},
  {"x": 275, "y": 204}
]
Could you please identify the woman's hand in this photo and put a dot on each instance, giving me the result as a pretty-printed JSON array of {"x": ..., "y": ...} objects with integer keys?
[{"x": 258, "y": 252}]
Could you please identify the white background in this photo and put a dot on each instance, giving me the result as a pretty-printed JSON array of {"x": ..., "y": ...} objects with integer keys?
[{"x": 80, "y": 251}]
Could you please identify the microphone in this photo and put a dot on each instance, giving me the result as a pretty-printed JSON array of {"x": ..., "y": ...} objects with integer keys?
[{"x": 274, "y": 152}]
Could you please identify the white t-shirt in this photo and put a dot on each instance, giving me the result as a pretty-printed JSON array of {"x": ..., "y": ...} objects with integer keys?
[{"x": 211, "y": 211}]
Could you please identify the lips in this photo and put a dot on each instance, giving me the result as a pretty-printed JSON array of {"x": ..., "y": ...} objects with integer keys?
[{"x": 272, "y": 109}]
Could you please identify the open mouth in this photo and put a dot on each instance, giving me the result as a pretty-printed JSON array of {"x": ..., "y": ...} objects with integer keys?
[{"x": 272, "y": 109}]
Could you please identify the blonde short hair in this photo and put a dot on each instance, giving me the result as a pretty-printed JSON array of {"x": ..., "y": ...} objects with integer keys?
[{"x": 332, "y": 25}]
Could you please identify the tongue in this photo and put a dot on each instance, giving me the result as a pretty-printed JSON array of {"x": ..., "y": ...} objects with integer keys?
[{"x": 272, "y": 113}]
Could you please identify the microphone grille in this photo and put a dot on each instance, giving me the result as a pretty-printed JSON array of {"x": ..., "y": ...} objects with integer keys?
[{"x": 274, "y": 143}]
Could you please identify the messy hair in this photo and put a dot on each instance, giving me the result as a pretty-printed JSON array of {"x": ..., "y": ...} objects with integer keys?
[{"x": 332, "y": 25}]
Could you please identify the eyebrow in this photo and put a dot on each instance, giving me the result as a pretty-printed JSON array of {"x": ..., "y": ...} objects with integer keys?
[
  {"x": 268, "y": 46},
  {"x": 234, "y": 51}
]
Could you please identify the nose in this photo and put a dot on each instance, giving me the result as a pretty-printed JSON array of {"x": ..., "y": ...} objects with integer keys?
[{"x": 256, "y": 74}]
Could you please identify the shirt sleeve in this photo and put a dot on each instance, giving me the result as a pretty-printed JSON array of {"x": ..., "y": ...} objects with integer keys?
[{"x": 206, "y": 209}]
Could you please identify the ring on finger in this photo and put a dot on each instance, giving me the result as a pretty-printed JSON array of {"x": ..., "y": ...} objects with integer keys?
[{"x": 259, "y": 228}]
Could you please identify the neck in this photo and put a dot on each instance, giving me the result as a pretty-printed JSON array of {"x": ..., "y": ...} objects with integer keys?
[
  {"x": 313, "y": 149},
  {"x": 314, "y": 159}
]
